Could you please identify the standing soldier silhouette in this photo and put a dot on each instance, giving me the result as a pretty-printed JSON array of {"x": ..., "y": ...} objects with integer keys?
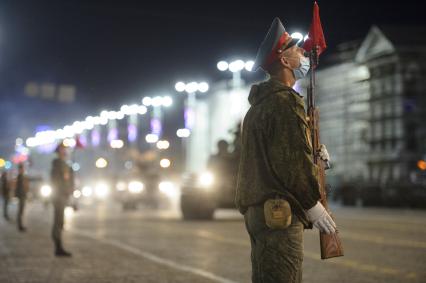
[
  {"x": 21, "y": 193},
  {"x": 5, "y": 189},
  {"x": 62, "y": 179}
]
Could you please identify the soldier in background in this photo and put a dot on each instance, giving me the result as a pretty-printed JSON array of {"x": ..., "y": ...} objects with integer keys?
[
  {"x": 219, "y": 162},
  {"x": 276, "y": 164},
  {"x": 5, "y": 189},
  {"x": 62, "y": 179},
  {"x": 21, "y": 193}
]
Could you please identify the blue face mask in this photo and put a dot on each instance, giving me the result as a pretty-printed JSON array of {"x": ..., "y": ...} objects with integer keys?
[{"x": 303, "y": 69}]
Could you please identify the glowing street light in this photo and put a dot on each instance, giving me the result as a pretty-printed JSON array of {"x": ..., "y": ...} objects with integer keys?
[
  {"x": 249, "y": 65},
  {"x": 222, "y": 66},
  {"x": 235, "y": 67},
  {"x": 203, "y": 87},
  {"x": 141, "y": 110},
  {"x": 167, "y": 101},
  {"x": 183, "y": 133},
  {"x": 192, "y": 87},
  {"x": 69, "y": 142},
  {"x": 147, "y": 101},
  {"x": 180, "y": 86},
  {"x": 157, "y": 101},
  {"x": 297, "y": 35}
]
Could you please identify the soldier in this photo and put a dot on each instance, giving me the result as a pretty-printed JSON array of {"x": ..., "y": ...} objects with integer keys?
[
  {"x": 21, "y": 193},
  {"x": 5, "y": 188},
  {"x": 62, "y": 179},
  {"x": 276, "y": 164},
  {"x": 219, "y": 162}
]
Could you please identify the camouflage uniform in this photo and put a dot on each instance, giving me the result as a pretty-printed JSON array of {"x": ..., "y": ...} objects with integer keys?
[
  {"x": 276, "y": 160},
  {"x": 62, "y": 179},
  {"x": 5, "y": 192},
  {"x": 21, "y": 194}
]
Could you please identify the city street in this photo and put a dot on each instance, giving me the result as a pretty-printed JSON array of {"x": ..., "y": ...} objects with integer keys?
[{"x": 110, "y": 245}]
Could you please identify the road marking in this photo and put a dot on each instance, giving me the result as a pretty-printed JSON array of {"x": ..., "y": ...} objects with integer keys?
[
  {"x": 384, "y": 224},
  {"x": 384, "y": 241},
  {"x": 341, "y": 261},
  {"x": 153, "y": 257}
]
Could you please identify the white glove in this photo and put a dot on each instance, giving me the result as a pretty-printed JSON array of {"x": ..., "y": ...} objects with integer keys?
[
  {"x": 323, "y": 153},
  {"x": 319, "y": 216}
]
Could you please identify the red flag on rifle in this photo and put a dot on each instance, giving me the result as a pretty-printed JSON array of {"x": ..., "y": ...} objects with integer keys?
[{"x": 315, "y": 36}]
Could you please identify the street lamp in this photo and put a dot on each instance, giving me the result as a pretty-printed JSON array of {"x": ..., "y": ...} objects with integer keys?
[
  {"x": 183, "y": 133},
  {"x": 157, "y": 103},
  {"x": 235, "y": 67},
  {"x": 297, "y": 35},
  {"x": 190, "y": 89}
]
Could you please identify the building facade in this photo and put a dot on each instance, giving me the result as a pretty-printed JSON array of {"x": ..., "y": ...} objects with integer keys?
[{"x": 372, "y": 102}]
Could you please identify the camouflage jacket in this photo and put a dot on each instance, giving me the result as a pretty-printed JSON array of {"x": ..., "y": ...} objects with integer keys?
[
  {"x": 276, "y": 155},
  {"x": 62, "y": 179}
]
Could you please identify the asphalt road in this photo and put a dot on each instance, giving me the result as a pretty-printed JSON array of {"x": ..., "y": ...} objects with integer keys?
[{"x": 109, "y": 245}]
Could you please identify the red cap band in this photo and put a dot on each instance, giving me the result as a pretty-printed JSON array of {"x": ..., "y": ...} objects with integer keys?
[{"x": 274, "y": 54}]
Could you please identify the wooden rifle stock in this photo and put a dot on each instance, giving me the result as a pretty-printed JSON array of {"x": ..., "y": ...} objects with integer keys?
[{"x": 331, "y": 246}]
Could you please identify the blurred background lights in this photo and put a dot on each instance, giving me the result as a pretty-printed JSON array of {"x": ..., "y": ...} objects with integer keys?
[
  {"x": 167, "y": 101},
  {"x": 147, "y": 101},
  {"x": 163, "y": 144},
  {"x": 249, "y": 65},
  {"x": 151, "y": 138},
  {"x": 222, "y": 66},
  {"x": 76, "y": 167},
  {"x": 191, "y": 87},
  {"x": 157, "y": 101},
  {"x": 142, "y": 109},
  {"x": 180, "y": 86},
  {"x": 203, "y": 87},
  {"x": 165, "y": 163},
  {"x": 87, "y": 191},
  {"x": 236, "y": 66},
  {"x": 183, "y": 133},
  {"x": 101, "y": 163},
  {"x": 116, "y": 144},
  {"x": 297, "y": 35}
]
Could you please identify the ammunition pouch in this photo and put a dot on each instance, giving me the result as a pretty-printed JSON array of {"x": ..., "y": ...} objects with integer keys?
[{"x": 277, "y": 213}]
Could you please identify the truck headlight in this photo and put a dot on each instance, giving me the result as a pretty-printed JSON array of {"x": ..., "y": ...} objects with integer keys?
[
  {"x": 206, "y": 179},
  {"x": 136, "y": 187},
  {"x": 87, "y": 191},
  {"x": 46, "y": 191},
  {"x": 168, "y": 188},
  {"x": 121, "y": 186},
  {"x": 76, "y": 194},
  {"x": 101, "y": 190}
]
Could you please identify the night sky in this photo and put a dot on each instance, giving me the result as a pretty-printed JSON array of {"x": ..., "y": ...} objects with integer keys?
[{"x": 116, "y": 52}]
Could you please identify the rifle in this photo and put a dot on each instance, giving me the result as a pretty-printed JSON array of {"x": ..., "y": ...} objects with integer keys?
[{"x": 331, "y": 246}]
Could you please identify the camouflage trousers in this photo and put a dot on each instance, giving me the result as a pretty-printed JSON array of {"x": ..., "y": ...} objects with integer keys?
[
  {"x": 58, "y": 220},
  {"x": 276, "y": 255}
]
